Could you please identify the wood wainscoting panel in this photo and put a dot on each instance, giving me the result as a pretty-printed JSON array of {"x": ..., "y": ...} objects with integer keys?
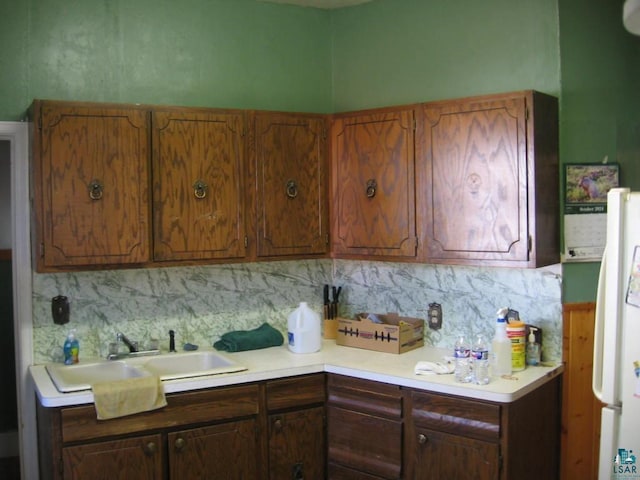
[{"x": 580, "y": 408}]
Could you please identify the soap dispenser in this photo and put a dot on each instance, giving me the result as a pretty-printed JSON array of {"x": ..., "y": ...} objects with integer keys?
[
  {"x": 71, "y": 349},
  {"x": 533, "y": 348}
]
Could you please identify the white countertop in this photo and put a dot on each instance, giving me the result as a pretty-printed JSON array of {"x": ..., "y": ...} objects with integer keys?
[{"x": 279, "y": 362}]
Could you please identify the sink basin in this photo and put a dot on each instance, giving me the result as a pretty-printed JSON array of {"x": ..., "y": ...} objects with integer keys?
[
  {"x": 195, "y": 364},
  {"x": 74, "y": 378}
]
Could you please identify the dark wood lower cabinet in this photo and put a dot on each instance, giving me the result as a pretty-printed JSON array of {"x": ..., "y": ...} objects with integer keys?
[
  {"x": 440, "y": 455},
  {"x": 266, "y": 430},
  {"x": 365, "y": 429},
  {"x": 381, "y": 431},
  {"x": 228, "y": 451},
  {"x": 137, "y": 458},
  {"x": 296, "y": 445},
  {"x": 296, "y": 428},
  {"x": 309, "y": 427}
]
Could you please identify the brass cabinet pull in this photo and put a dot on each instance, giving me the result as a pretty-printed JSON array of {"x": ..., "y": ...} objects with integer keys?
[
  {"x": 372, "y": 186},
  {"x": 180, "y": 444},
  {"x": 277, "y": 424},
  {"x": 292, "y": 189},
  {"x": 95, "y": 189},
  {"x": 422, "y": 439},
  {"x": 150, "y": 449},
  {"x": 200, "y": 189}
]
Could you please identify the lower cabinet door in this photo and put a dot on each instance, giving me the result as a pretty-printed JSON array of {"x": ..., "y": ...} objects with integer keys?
[
  {"x": 441, "y": 455},
  {"x": 136, "y": 458},
  {"x": 227, "y": 451},
  {"x": 296, "y": 445},
  {"x": 366, "y": 443}
]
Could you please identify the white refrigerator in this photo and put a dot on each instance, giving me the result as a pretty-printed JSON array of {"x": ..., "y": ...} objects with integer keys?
[{"x": 616, "y": 356}]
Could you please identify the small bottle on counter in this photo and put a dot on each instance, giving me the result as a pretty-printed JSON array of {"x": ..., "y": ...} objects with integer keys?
[
  {"x": 480, "y": 361},
  {"x": 71, "y": 349},
  {"x": 462, "y": 354},
  {"x": 533, "y": 348},
  {"x": 501, "y": 347}
]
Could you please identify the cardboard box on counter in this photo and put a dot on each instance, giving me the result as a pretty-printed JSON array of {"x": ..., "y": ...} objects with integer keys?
[{"x": 395, "y": 334}]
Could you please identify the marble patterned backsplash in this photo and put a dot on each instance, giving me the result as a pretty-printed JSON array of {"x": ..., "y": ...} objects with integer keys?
[{"x": 201, "y": 303}]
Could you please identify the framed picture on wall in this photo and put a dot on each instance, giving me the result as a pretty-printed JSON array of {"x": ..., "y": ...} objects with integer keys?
[{"x": 585, "y": 209}]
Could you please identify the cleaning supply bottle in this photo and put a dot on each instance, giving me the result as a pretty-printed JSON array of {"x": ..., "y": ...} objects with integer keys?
[
  {"x": 304, "y": 330},
  {"x": 533, "y": 348},
  {"x": 516, "y": 332},
  {"x": 501, "y": 347},
  {"x": 71, "y": 349}
]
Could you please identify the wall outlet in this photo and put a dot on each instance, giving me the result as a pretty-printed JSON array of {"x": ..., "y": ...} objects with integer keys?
[
  {"x": 60, "y": 310},
  {"x": 435, "y": 316}
]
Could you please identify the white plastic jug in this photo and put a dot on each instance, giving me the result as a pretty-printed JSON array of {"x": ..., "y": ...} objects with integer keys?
[{"x": 304, "y": 330}]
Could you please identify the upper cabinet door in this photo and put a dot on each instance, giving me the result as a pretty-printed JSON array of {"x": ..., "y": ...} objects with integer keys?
[
  {"x": 91, "y": 185},
  {"x": 291, "y": 191},
  {"x": 489, "y": 179},
  {"x": 198, "y": 202},
  {"x": 373, "y": 184}
]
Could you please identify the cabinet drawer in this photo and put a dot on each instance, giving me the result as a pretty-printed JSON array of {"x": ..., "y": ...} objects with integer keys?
[
  {"x": 456, "y": 415},
  {"x": 295, "y": 392},
  {"x": 80, "y": 423},
  {"x": 365, "y": 396},
  {"x": 365, "y": 443}
]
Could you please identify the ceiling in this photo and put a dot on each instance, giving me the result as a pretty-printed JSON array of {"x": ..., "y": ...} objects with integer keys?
[{"x": 327, "y": 4}]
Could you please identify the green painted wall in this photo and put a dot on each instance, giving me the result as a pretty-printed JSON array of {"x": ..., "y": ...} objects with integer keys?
[
  {"x": 600, "y": 105},
  {"x": 220, "y": 53},
  {"x": 392, "y": 52}
]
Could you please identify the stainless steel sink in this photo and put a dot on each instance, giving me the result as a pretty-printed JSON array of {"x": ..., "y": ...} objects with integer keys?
[
  {"x": 193, "y": 364},
  {"x": 74, "y": 378}
]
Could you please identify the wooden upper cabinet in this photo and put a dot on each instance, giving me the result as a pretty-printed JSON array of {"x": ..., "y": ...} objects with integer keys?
[
  {"x": 198, "y": 198},
  {"x": 291, "y": 191},
  {"x": 90, "y": 185},
  {"x": 373, "y": 184},
  {"x": 488, "y": 176}
]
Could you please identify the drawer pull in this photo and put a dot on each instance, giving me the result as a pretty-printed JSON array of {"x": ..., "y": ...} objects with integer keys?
[
  {"x": 96, "y": 189},
  {"x": 180, "y": 444},
  {"x": 372, "y": 186},
  {"x": 292, "y": 189},
  {"x": 150, "y": 449},
  {"x": 200, "y": 189},
  {"x": 422, "y": 439},
  {"x": 277, "y": 424}
]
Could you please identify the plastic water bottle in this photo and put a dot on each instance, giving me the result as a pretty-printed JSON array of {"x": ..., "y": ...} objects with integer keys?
[
  {"x": 462, "y": 354},
  {"x": 480, "y": 361}
]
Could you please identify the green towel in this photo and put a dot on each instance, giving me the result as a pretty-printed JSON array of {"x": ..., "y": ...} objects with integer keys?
[{"x": 262, "y": 337}]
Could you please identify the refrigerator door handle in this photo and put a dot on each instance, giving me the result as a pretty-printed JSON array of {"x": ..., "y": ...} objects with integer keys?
[{"x": 598, "y": 341}]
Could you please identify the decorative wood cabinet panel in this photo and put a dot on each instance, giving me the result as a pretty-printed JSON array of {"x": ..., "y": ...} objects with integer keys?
[
  {"x": 296, "y": 427},
  {"x": 441, "y": 455},
  {"x": 488, "y": 176},
  {"x": 197, "y": 433},
  {"x": 90, "y": 185},
  {"x": 453, "y": 437},
  {"x": 130, "y": 458},
  {"x": 291, "y": 187},
  {"x": 373, "y": 184},
  {"x": 296, "y": 444},
  {"x": 365, "y": 429},
  {"x": 228, "y": 451},
  {"x": 198, "y": 188}
]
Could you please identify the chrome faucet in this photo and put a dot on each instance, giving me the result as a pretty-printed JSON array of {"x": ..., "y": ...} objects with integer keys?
[{"x": 133, "y": 346}]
